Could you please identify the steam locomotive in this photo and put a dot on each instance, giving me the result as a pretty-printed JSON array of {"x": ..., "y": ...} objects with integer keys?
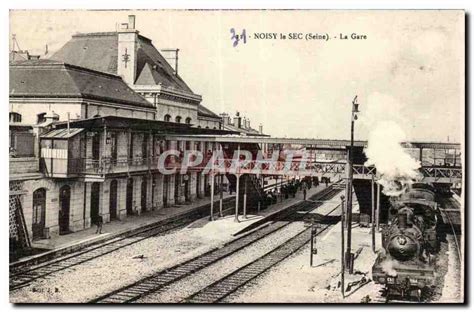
[{"x": 407, "y": 264}]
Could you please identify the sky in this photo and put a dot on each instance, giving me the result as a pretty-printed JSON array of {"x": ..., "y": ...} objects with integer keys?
[{"x": 409, "y": 70}]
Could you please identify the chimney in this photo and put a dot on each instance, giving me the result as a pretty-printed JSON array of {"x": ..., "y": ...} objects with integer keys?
[
  {"x": 260, "y": 129},
  {"x": 172, "y": 55},
  {"x": 51, "y": 116},
  {"x": 127, "y": 51},
  {"x": 225, "y": 119},
  {"x": 131, "y": 22},
  {"x": 248, "y": 123},
  {"x": 238, "y": 120}
]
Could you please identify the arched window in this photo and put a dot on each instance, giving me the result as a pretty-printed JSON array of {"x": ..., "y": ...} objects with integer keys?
[
  {"x": 178, "y": 119},
  {"x": 167, "y": 118},
  {"x": 188, "y": 120},
  {"x": 214, "y": 128}
]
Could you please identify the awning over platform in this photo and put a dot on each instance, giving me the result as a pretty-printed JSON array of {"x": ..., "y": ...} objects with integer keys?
[
  {"x": 62, "y": 133},
  {"x": 116, "y": 122}
]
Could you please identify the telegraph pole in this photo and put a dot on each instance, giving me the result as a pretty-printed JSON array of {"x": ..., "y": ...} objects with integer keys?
[
  {"x": 355, "y": 110},
  {"x": 342, "y": 246},
  {"x": 373, "y": 215}
]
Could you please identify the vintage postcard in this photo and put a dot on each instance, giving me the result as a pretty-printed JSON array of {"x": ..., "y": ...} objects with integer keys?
[{"x": 236, "y": 156}]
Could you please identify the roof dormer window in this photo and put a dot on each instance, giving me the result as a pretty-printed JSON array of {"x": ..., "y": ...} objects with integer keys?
[{"x": 40, "y": 118}]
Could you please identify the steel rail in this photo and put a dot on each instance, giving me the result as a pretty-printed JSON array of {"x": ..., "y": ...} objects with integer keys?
[
  {"x": 157, "y": 281},
  {"x": 23, "y": 278},
  {"x": 242, "y": 276}
]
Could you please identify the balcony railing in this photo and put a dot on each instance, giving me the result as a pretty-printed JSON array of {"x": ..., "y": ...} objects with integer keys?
[{"x": 64, "y": 167}]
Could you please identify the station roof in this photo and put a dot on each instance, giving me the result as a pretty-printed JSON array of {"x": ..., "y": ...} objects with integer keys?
[
  {"x": 53, "y": 79},
  {"x": 432, "y": 145},
  {"x": 322, "y": 143},
  {"x": 99, "y": 51},
  {"x": 246, "y": 131},
  {"x": 203, "y": 111},
  {"x": 116, "y": 122},
  {"x": 62, "y": 133}
]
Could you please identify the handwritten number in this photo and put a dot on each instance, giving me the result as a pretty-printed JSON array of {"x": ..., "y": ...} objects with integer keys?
[{"x": 236, "y": 38}]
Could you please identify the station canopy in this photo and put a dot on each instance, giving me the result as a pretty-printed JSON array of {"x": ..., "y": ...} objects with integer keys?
[
  {"x": 62, "y": 133},
  {"x": 136, "y": 124}
]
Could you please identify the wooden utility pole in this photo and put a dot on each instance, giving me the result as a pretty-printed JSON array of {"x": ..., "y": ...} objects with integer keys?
[
  {"x": 355, "y": 110},
  {"x": 237, "y": 175},
  {"x": 211, "y": 217},
  {"x": 377, "y": 215},
  {"x": 245, "y": 196},
  {"x": 373, "y": 214},
  {"x": 342, "y": 246},
  {"x": 237, "y": 198},
  {"x": 221, "y": 196}
]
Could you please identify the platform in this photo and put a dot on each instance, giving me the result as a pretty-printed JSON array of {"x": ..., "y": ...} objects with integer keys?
[
  {"x": 63, "y": 244},
  {"x": 273, "y": 210}
]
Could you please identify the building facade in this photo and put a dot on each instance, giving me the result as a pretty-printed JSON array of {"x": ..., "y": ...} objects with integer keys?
[{"x": 87, "y": 127}]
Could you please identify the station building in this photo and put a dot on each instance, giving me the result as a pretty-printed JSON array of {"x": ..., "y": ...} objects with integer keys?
[{"x": 87, "y": 126}]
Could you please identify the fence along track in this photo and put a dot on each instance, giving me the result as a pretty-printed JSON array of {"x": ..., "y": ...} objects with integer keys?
[{"x": 165, "y": 277}]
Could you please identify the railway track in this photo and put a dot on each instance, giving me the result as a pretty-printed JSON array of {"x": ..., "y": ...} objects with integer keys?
[
  {"x": 456, "y": 239},
  {"x": 452, "y": 215},
  {"x": 159, "y": 280},
  {"x": 24, "y": 277},
  {"x": 235, "y": 280}
]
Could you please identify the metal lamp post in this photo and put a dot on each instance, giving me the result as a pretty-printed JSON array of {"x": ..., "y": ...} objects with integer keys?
[
  {"x": 355, "y": 110},
  {"x": 343, "y": 267}
]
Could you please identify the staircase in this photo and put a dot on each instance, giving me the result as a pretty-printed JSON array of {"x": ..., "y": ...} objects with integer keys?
[
  {"x": 363, "y": 191},
  {"x": 255, "y": 192},
  {"x": 258, "y": 187}
]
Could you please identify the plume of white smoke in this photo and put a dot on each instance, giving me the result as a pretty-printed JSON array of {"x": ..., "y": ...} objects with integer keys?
[
  {"x": 395, "y": 166},
  {"x": 389, "y": 267}
]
